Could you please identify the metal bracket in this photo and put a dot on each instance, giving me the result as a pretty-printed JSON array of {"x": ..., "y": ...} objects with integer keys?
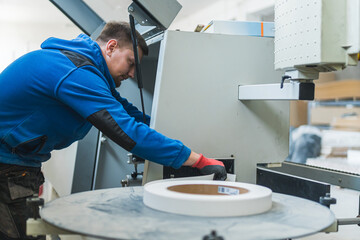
[
  {"x": 152, "y": 18},
  {"x": 136, "y": 177},
  {"x": 213, "y": 236},
  {"x": 34, "y": 203},
  {"x": 81, "y": 15},
  {"x": 294, "y": 90},
  {"x": 342, "y": 221},
  {"x": 145, "y": 25},
  {"x": 327, "y": 200},
  {"x": 333, "y": 177},
  {"x": 133, "y": 159}
]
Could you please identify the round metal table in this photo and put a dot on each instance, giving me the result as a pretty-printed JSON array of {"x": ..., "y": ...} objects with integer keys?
[{"x": 119, "y": 213}]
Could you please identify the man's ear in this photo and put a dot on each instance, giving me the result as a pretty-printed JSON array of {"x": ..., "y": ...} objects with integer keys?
[{"x": 111, "y": 46}]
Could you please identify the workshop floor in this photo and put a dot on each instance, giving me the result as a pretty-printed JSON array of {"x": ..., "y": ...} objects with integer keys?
[{"x": 347, "y": 206}]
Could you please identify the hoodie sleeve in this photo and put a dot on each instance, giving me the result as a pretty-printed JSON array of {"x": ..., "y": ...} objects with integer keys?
[
  {"x": 89, "y": 95},
  {"x": 131, "y": 109}
]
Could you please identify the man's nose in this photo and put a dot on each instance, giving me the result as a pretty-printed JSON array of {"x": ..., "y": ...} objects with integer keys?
[{"x": 132, "y": 72}]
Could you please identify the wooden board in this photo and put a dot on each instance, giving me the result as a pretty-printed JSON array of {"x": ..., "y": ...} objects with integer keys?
[
  {"x": 326, "y": 115},
  {"x": 347, "y": 124},
  {"x": 338, "y": 90},
  {"x": 298, "y": 113}
]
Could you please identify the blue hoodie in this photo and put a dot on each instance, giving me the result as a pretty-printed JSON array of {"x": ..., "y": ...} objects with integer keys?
[{"x": 51, "y": 97}]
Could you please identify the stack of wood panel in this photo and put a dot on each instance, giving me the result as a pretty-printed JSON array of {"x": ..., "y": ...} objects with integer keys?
[
  {"x": 342, "y": 117},
  {"x": 338, "y": 90}
]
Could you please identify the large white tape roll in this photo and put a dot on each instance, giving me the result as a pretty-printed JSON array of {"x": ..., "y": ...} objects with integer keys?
[{"x": 207, "y": 198}]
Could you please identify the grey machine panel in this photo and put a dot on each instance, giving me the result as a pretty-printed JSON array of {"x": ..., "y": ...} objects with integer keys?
[
  {"x": 81, "y": 15},
  {"x": 196, "y": 100},
  {"x": 164, "y": 11}
]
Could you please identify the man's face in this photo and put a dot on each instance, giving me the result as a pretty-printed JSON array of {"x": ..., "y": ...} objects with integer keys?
[{"x": 120, "y": 61}]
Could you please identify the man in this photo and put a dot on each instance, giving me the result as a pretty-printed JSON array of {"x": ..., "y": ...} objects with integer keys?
[{"x": 51, "y": 97}]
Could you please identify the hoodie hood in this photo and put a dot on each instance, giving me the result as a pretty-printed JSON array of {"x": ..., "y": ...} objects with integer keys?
[{"x": 83, "y": 45}]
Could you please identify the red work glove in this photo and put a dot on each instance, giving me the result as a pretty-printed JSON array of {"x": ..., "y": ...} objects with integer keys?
[{"x": 209, "y": 166}]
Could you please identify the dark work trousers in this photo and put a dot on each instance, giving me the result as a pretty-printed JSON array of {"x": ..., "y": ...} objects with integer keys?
[{"x": 16, "y": 184}]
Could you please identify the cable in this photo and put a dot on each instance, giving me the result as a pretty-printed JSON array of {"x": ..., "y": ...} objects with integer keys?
[{"x": 137, "y": 63}]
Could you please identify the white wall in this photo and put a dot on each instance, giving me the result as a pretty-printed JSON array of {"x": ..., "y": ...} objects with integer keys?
[
  {"x": 24, "y": 25},
  {"x": 20, "y": 38},
  {"x": 59, "y": 170},
  {"x": 24, "y": 31}
]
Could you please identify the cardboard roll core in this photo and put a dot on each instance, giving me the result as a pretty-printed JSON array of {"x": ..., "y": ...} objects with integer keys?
[{"x": 207, "y": 189}]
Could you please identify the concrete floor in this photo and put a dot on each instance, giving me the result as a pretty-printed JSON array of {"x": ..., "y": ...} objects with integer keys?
[{"x": 347, "y": 206}]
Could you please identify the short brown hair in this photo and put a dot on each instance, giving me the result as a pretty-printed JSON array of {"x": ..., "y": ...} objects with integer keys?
[{"x": 121, "y": 32}]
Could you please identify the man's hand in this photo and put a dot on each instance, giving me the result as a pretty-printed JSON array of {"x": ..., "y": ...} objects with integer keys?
[{"x": 210, "y": 166}]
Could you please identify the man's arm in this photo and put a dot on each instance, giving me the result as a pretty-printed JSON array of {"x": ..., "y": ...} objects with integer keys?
[
  {"x": 89, "y": 95},
  {"x": 205, "y": 165},
  {"x": 131, "y": 109},
  {"x": 92, "y": 99}
]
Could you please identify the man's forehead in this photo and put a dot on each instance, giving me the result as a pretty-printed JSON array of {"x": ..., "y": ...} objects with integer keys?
[{"x": 131, "y": 48}]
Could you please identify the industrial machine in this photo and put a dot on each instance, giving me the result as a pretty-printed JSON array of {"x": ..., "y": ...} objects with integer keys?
[{"x": 218, "y": 92}]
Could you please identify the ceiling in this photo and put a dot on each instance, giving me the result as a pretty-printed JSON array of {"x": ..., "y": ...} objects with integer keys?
[
  {"x": 43, "y": 11},
  {"x": 117, "y": 9}
]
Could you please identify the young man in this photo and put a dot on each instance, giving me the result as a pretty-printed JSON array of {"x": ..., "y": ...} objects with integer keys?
[{"x": 51, "y": 97}]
